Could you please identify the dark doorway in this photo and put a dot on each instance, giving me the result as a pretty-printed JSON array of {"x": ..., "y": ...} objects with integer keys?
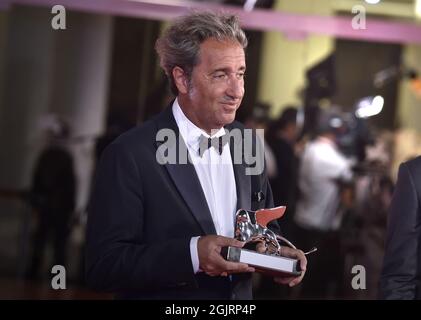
[{"x": 133, "y": 68}]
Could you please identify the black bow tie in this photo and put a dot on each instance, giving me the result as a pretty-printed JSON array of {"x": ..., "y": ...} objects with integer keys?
[{"x": 205, "y": 143}]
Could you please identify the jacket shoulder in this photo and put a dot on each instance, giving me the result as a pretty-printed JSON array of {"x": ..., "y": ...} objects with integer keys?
[
  {"x": 139, "y": 135},
  {"x": 414, "y": 170},
  {"x": 414, "y": 165},
  {"x": 237, "y": 125}
]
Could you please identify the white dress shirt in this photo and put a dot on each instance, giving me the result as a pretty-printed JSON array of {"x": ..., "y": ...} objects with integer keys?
[
  {"x": 216, "y": 176},
  {"x": 321, "y": 166}
]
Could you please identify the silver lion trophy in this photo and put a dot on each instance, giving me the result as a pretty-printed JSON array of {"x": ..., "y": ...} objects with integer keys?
[{"x": 263, "y": 248}]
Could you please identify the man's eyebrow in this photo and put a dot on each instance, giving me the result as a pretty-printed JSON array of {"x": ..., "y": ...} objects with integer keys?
[{"x": 243, "y": 68}]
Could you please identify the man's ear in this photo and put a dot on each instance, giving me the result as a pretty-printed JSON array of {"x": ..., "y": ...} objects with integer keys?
[{"x": 180, "y": 80}]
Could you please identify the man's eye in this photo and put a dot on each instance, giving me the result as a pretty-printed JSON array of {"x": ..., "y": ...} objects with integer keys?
[
  {"x": 220, "y": 76},
  {"x": 240, "y": 75}
]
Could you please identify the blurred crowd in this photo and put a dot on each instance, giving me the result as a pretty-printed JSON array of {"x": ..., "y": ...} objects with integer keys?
[{"x": 336, "y": 183}]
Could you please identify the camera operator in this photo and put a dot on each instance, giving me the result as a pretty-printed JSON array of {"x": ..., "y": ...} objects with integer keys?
[{"x": 323, "y": 173}]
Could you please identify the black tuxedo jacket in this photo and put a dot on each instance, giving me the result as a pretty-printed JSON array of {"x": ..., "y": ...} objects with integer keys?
[
  {"x": 143, "y": 215},
  {"x": 401, "y": 274}
]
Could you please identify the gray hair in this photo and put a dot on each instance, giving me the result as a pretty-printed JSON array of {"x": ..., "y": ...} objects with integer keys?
[{"x": 180, "y": 44}]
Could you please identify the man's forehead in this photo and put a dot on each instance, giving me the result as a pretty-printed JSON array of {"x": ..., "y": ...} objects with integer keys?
[{"x": 222, "y": 54}]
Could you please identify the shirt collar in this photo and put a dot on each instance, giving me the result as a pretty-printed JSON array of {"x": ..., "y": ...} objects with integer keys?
[
  {"x": 326, "y": 141},
  {"x": 188, "y": 130}
]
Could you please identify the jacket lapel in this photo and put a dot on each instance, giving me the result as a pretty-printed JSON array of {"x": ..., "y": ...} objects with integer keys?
[
  {"x": 242, "y": 181},
  {"x": 184, "y": 175}
]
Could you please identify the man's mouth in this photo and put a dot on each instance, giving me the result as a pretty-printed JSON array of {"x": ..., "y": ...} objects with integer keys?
[{"x": 230, "y": 105}]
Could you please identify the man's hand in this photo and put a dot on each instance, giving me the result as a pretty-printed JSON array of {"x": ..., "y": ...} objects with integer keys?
[
  {"x": 210, "y": 259},
  {"x": 295, "y": 254}
]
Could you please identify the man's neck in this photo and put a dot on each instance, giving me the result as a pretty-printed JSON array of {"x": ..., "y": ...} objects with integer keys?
[{"x": 192, "y": 117}]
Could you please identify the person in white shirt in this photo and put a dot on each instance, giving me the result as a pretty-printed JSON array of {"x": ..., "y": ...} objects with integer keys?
[{"x": 323, "y": 170}]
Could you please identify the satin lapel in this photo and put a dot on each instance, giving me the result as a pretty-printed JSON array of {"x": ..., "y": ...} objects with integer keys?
[
  {"x": 185, "y": 177},
  {"x": 242, "y": 181}
]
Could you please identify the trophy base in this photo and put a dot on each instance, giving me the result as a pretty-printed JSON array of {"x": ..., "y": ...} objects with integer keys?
[{"x": 268, "y": 264}]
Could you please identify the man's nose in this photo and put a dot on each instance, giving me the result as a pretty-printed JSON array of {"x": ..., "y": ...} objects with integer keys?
[{"x": 235, "y": 88}]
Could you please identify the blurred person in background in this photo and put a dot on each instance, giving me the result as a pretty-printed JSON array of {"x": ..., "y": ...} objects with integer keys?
[
  {"x": 259, "y": 119},
  {"x": 282, "y": 136},
  {"x": 52, "y": 196},
  {"x": 364, "y": 227},
  {"x": 323, "y": 173}
]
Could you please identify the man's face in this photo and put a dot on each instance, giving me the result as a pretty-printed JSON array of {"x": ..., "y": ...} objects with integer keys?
[
  {"x": 216, "y": 87},
  {"x": 292, "y": 132}
]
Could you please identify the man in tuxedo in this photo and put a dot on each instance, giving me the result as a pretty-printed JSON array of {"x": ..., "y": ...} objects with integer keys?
[
  {"x": 157, "y": 223},
  {"x": 400, "y": 278}
]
